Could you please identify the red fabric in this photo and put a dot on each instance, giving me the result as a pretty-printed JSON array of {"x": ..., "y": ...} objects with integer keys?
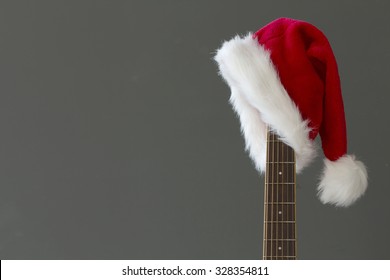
[{"x": 308, "y": 71}]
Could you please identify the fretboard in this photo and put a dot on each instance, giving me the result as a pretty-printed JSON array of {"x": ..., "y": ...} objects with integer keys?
[{"x": 279, "y": 201}]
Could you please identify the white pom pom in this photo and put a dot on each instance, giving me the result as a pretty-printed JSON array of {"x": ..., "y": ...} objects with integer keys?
[{"x": 343, "y": 181}]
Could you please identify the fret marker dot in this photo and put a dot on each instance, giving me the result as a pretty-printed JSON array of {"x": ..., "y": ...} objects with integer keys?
[
  {"x": 280, "y": 212},
  {"x": 280, "y": 173},
  {"x": 279, "y": 248}
]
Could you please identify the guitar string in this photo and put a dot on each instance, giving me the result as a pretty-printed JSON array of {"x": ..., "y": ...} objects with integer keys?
[
  {"x": 295, "y": 208},
  {"x": 291, "y": 194},
  {"x": 283, "y": 186},
  {"x": 291, "y": 197},
  {"x": 272, "y": 193},
  {"x": 267, "y": 195},
  {"x": 277, "y": 197},
  {"x": 265, "y": 226},
  {"x": 288, "y": 207},
  {"x": 287, "y": 193}
]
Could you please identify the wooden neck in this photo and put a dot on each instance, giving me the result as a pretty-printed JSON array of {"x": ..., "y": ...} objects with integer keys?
[{"x": 279, "y": 201}]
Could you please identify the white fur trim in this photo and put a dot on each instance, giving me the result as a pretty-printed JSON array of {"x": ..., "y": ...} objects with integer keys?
[
  {"x": 252, "y": 127},
  {"x": 259, "y": 98},
  {"x": 343, "y": 181}
]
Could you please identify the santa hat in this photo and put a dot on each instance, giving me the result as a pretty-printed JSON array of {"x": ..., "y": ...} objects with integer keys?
[{"x": 285, "y": 77}]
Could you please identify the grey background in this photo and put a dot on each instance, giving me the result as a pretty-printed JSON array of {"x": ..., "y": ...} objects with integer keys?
[{"x": 118, "y": 142}]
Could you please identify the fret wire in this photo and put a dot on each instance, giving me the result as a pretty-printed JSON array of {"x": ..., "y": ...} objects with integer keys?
[
  {"x": 280, "y": 183},
  {"x": 289, "y": 257},
  {"x": 281, "y": 239},
  {"x": 290, "y": 162},
  {"x": 280, "y": 203},
  {"x": 279, "y": 221}
]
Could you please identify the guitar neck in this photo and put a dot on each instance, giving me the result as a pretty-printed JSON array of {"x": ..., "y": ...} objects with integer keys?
[{"x": 279, "y": 201}]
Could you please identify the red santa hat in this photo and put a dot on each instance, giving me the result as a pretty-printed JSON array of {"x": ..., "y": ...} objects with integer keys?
[{"x": 285, "y": 76}]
